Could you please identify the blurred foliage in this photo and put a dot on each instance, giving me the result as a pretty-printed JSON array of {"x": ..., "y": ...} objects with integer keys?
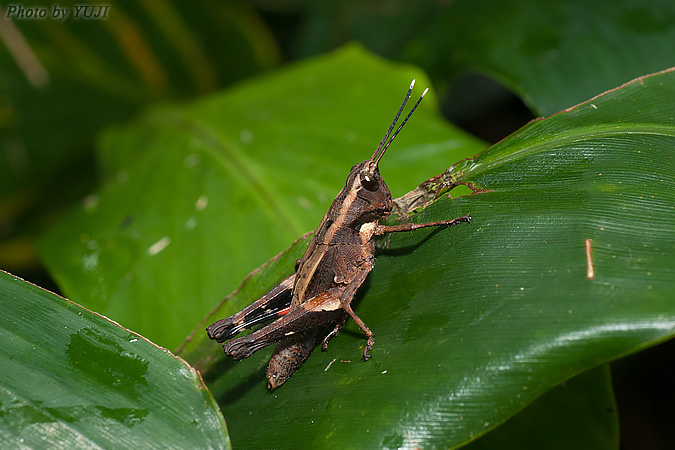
[{"x": 63, "y": 82}]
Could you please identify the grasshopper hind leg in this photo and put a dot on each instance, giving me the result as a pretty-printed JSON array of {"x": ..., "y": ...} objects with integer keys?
[
  {"x": 270, "y": 306},
  {"x": 318, "y": 311},
  {"x": 334, "y": 332}
]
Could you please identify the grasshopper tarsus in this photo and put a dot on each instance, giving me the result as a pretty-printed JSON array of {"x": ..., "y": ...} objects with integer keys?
[
  {"x": 466, "y": 218},
  {"x": 451, "y": 223},
  {"x": 369, "y": 347}
]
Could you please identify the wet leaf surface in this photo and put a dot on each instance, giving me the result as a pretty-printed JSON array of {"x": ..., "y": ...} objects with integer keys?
[{"x": 74, "y": 379}]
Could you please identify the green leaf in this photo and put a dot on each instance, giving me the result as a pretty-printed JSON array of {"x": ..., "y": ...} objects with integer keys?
[
  {"x": 553, "y": 54},
  {"x": 579, "y": 414},
  {"x": 73, "y": 379},
  {"x": 197, "y": 196},
  {"x": 475, "y": 322},
  {"x": 77, "y": 75}
]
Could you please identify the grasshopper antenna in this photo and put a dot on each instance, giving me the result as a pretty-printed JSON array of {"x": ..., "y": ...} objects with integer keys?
[
  {"x": 385, "y": 143},
  {"x": 393, "y": 124}
]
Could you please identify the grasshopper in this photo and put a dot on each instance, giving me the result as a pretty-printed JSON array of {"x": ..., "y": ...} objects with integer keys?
[{"x": 314, "y": 303}]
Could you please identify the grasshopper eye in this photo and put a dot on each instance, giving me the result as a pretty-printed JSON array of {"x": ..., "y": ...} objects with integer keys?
[{"x": 369, "y": 182}]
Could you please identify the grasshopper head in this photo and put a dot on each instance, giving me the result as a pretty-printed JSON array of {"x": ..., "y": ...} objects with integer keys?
[
  {"x": 365, "y": 178},
  {"x": 366, "y": 195}
]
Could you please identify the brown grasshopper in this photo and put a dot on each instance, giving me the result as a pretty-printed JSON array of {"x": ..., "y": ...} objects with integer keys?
[{"x": 315, "y": 301}]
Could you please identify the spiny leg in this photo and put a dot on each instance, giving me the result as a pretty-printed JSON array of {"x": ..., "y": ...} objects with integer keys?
[
  {"x": 318, "y": 310},
  {"x": 334, "y": 332},
  {"x": 382, "y": 229},
  {"x": 346, "y": 299},
  {"x": 270, "y": 306},
  {"x": 364, "y": 328}
]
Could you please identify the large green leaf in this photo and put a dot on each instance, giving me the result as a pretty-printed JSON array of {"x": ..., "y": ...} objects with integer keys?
[
  {"x": 73, "y": 379},
  {"x": 475, "y": 322},
  {"x": 197, "y": 196},
  {"x": 554, "y": 54}
]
